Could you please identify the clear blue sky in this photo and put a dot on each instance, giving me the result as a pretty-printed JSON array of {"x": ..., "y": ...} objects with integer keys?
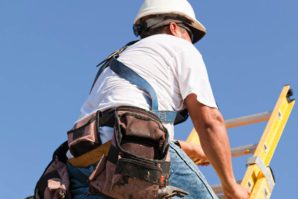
[{"x": 48, "y": 53}]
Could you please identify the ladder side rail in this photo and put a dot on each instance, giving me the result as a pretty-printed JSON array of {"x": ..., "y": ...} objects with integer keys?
[
  {"x": 261, "y": 190},
  {"x": 268, "y": 142}
]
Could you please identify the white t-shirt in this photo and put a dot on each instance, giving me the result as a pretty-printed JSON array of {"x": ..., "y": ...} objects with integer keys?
[{"x": 172, "y": 66}]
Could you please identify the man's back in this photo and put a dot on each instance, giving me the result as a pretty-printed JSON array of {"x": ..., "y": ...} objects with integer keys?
[{"x": 172, "y": 66}]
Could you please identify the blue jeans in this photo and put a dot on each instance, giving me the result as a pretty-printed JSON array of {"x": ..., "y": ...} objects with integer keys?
[
  {"x": 184, "y": 174},
  {"x": 79, "y": 182}
]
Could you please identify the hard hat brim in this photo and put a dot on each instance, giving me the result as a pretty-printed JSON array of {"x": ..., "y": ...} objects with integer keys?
[
  {"x": 197, "y": 28},
  {"x": 198, "y": 31}
]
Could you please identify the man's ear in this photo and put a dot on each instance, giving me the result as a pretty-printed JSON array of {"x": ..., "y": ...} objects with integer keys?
[{"x": 173, "y": 28}]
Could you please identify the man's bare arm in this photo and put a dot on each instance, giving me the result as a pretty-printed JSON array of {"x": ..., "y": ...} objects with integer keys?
[{"x": 210, "y": 125}]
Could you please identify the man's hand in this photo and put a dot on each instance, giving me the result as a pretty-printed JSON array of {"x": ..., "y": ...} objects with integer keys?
[
  {"x": 236, "y": 192},
  {"x": 195, "y": 152}
]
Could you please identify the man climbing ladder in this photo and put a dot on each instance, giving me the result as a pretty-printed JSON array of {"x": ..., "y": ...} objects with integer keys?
[{"x": 140, "y": 92}]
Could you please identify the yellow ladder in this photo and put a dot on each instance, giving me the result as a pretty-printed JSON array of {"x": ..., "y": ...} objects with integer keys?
[{"x": 258, "y": 178}]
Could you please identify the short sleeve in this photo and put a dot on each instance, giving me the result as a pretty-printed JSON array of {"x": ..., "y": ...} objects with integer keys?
[{"x": 192, "y": 76}]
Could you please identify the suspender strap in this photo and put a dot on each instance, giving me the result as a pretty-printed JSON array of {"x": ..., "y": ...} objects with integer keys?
[
  {"x": 166, "y": 116},
  {"x": 128, "y": 74},
  {"x": 105, "y": 63},
  {"x": 131, "y": 76}
]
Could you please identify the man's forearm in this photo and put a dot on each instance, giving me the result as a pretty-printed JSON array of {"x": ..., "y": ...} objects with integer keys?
[
  {"x": 215, "y": 143},
  {"x": 210, "y": 125}
]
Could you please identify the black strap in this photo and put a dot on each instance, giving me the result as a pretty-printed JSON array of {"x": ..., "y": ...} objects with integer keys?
[
  {"x": 60, "y": 152},
  {"x": 113, "y": 154},
  {"x": 181, "y": 116}
]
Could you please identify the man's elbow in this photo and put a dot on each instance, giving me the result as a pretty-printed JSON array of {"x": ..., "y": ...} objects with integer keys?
[{"x": 213, "y": 122}]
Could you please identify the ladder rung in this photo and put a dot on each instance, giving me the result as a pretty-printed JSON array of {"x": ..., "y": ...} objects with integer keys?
[
  {"x": 246, "y": 120},
  {"x": 237, "y": 152},
  {"x": 231, "y": 123},
  {"x": 243, "y": 150}
]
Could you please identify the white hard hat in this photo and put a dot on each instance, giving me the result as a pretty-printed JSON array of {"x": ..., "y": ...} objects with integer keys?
[{"x": 180, "y": 8}]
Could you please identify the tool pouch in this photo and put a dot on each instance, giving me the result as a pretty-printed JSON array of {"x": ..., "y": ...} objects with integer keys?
[
  {"x": 83, "y": 137},
  {"x": 54, "y": 182},
  {"x": 138, "y": 162}
]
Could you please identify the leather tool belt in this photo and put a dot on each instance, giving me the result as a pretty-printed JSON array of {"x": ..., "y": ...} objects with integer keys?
[{"x": 137, "y": 164}]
